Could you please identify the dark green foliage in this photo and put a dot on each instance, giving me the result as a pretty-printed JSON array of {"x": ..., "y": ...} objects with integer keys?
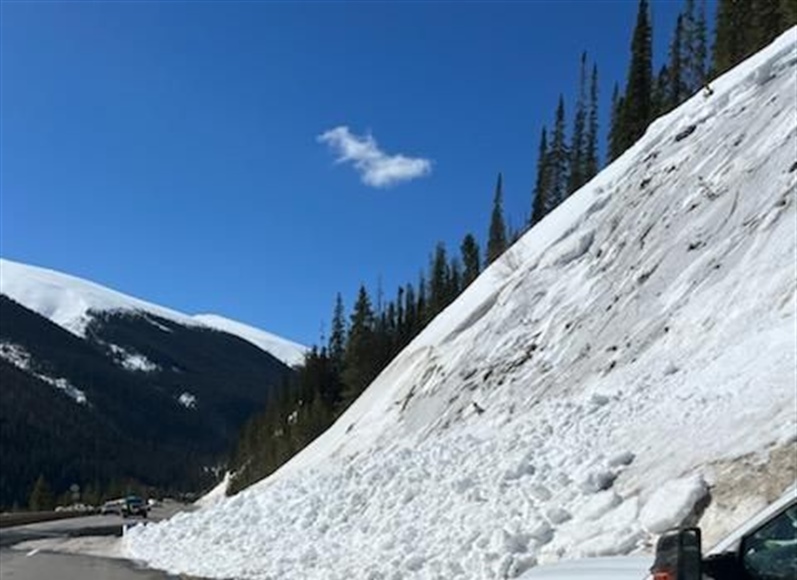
[
  {"x": 676, "y": 88},
  {"x": 744, "y": 27},
  {"x": 41, "y": 496},
  {"x": 337, "y": 335},
  {"x": 497, "y": 240},
  {"x": 734, "y": 34},
  {"x": 788, "y": 8},
  {"x": 591, "y": 161},
  {"x": 470, "y": 259},
  {"x": 616, "y": 144},
  {"x": 578, "y": 140},
  {"x": 558, "y": 161},
  {"x": 360, "y": 368},
  {"x": 439, "y": 280},
  {"x": 661, "y": 91},
  {"x": 540, "y": 205},
  {"x": 695, "y": 46},
  {"x": 637, "y": 109}
]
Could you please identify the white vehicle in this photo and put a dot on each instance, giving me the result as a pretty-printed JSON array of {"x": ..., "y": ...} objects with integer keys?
[{"x": 763, "y": 548}]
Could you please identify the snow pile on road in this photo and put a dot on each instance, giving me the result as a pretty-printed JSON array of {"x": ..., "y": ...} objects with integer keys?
[
  {"x": 573, "y": 400},
  {"x": 69, "y": 302}
]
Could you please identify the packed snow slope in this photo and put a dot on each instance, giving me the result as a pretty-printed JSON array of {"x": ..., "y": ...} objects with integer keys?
[
  {"x": 70, "y": 302},
  {"x": 581, "y": 396}
]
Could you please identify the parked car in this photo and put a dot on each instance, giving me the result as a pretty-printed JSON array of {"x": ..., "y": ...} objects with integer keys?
[
  {"x": 763, "y": 548},
  {"x": 112, "y": 507},
  {"x": 134, "y": 506}
]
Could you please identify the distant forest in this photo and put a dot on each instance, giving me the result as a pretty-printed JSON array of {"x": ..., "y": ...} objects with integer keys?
[{"x": 363, "y": 342}]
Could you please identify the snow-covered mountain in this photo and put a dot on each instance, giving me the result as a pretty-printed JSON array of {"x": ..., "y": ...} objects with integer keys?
[
  {"x": 72, "y": 302},
  {"x": 629, "y": 365},
  {"x": 99, "y": 387}
]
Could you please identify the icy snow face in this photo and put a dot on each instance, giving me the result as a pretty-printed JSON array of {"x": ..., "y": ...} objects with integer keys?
[
  {"x": 19, "y": 357},
  {"x": 569, "y": 402}
]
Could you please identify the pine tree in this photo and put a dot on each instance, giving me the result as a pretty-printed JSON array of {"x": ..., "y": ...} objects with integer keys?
[
  {"x": 454, "y": 286},
  {"x": 470, "y": 259},
  {"x": 696, "y": 47},
  {"x": 558, "y": 160},
  {"x": 578, "y": 139},
  {"x": 733, "y": 40},
  {"x": 637, "y": 110},
  {"x": 770, "y": 22},
  {"x": 542, "y": 185},
  {"x": 359, "y": 364},
  {"x": 675, "y": 91},
  {"x": 788, "y": 9},
  {"x": 337, "y": 335},
  {"x": 496, "y": 243},
  {"x": 41, "y": 496},
  {"x": 591, "y": 155},
  {"x": 661, "y": 90},
  {"x": 438, "y": 280},
  {"x": 616, "y": 129}
]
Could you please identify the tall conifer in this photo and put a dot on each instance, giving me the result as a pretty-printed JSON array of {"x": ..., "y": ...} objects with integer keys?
[{"x": 496, "y": 242}]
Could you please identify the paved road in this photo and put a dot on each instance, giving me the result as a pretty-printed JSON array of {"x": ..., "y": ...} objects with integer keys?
[{"x": 38, "y": 557}]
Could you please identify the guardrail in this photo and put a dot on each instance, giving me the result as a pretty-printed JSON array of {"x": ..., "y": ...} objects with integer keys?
[{"x": 22, "y": 518}]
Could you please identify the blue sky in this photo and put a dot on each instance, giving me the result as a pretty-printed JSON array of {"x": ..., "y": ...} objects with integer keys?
[{"x": 175, "y": 151}]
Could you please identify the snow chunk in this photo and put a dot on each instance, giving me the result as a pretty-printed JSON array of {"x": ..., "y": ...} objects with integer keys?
[
  {"x": 187, "y": 400},
  {"x": 672, "y": 503}
]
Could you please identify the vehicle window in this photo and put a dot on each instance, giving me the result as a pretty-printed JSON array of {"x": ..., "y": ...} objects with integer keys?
[{"x": 770, "y": 553}]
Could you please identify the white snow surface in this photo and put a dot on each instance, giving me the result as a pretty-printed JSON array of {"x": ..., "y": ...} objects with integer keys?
[
  {"x": 20, "y": 358},
  {"x": 642, "y": 331},
  {"x": 288, "y": 352},
  {"x": 69, "y": 302}
]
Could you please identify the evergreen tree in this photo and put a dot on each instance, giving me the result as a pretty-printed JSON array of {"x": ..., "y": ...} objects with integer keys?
[
  {"x": 496, "y": 243},
  {"x": 695, "y": 46},
  {"x": 470, "y": 259},
  {"x": 616, "y": 128},
  {"x": 337, "y": 335},
  {"x": 770, "y": 22},
  {"x": 788, "y": 9},
  {"x": 578, "y": 144},
  {"x": 591, "y": 154},
  {"x": 558, "y": 160},
  {"x": 637, "y": 110},
  {"x": 41, "y": 496},
  {"x": 359, "y": 365},
  {"x": 734, "y": 33},
  {"x": 543, "y": 183},
  {"x": 661, "y": 91},
  {"x": 438, "y": 280},
  {"x": 676, "y": 91},
  {"x": 454, "y": 286}
]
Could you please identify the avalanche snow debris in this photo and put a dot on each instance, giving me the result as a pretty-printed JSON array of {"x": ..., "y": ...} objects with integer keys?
[
  {"x": 21, "y": 358},
  {"x": 427, "y": 491}
]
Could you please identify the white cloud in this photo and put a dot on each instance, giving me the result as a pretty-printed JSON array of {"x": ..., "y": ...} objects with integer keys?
[{"x": 377, "y": 168}]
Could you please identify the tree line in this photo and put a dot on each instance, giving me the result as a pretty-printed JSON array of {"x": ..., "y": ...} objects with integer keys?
[{"x": 361, "y": 345}]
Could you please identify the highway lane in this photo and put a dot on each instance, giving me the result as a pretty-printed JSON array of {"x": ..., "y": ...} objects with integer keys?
[{"x": 36, "y": 551}]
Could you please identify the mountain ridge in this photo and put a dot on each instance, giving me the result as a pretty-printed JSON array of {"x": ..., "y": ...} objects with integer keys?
[{"x": 68, "y": 301}]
